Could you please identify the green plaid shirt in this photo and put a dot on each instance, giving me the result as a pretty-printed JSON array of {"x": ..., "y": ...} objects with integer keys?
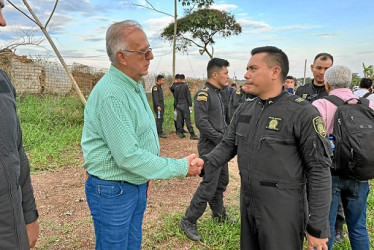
[{"x": 119, "y": 139}]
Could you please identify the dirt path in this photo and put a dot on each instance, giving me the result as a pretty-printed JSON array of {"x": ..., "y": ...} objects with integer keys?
[{"x": 65, "y": 219}]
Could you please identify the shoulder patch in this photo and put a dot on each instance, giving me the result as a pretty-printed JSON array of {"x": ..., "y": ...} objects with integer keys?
[
  {"x": 299, "y": 99},
  {"x": 202, "y": 98},
  {"x": 237, "y": 92},
  {"x": 319, "y": 126},
  {"x": 205, "y": 88},
  {"x": 203, "y": 93},
  {"x": 155, "y": 88}
]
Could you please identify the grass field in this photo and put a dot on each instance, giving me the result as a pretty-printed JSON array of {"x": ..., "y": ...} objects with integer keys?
[{"x": 52, "y": 129}]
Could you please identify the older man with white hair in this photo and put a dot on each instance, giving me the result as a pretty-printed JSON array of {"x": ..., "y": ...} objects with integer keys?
[{"x": 353, "y": 193}]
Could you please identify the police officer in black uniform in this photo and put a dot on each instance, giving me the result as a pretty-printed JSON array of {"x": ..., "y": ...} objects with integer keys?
[
  {"x": 225, "y": 96},
  {"x": 283, "y": 158},
  {"x": 236, "y": 98},
  {"x": 316, "y": 89},
  {"x": 210, "y": 120},
  {"x": 172, "y": 89},
  {"x": 183, "y": 105},
  {"x": 158, "y": 104}
]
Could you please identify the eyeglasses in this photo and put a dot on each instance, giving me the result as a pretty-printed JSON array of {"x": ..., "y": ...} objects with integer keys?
[{"x": 145, "y": 52}]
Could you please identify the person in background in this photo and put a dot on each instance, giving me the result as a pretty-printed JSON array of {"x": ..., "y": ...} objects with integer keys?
[
  {"x": 353, "y": 193},
  {"x": 284, "y": 160},
  {"x": 365, "y": 89},
  {"x": 183, "y": 105},
  {"x": 210, "y": 120},
  {"x": 177, "y": 80},
  {"x": 289, "y": 84},
  {"x": 238, "y": 97},
  {"x": 232, "y": 88},
  {"x": 120, "y": 143},
  {"x": 225, "y": 96},
  {"x": 316, "y": 89},
  {"x": 19, "y": 227},
  {"x": 158, "y": 104}
]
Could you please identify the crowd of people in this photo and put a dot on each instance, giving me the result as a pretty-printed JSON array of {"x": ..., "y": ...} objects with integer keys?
[{"x": 279, "y": 133}]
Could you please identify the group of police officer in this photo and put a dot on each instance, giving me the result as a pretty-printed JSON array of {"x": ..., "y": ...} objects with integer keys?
[{"x": 283, "y": 153}]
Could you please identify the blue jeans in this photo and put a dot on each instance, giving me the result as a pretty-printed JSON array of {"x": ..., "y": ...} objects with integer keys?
[
  {"x": 117, "y": 210},
  {"x": 354, "y": 196}
]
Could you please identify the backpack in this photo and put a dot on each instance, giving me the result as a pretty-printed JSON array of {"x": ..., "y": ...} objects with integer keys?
[
  {"x": 354, "y": 139},
  {"x": 366, "y": 95}
]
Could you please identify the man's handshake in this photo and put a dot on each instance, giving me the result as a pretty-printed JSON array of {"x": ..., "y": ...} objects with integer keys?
[{"x": 195, "y": 165}]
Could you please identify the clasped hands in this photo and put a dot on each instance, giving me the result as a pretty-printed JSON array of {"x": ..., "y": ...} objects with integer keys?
[{"x": 195, "y": 165}]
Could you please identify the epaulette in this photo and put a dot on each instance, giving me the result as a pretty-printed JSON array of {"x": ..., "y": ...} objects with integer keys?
[
  {"x": 298, "y": 99},
  {"x": 205, "y": 88},
  {"x": 237, "y": 92}
]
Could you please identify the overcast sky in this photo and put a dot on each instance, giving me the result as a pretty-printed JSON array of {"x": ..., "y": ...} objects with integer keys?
[{"x": 300, "y": 28}]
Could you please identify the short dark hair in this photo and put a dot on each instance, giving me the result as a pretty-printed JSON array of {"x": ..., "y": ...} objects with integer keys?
[
  {"x": 177, "y": 76},
  {"x": 290, "y": 77},
  {"x": 366, "y": 83},
  {"x": 159, "y": 77},
  {"x": 215, "y": 65},
  {"x": 182, "y": 77},
  {"x": 324, "y": 57},
  {"x": 233, "y": 84},
  {"x": 274, "y": 57}
]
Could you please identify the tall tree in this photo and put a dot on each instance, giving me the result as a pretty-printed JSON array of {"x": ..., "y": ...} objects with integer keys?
[
  {"x": 189, "y": 3},
  {"x": 368, "y": 71},
  {"x": 202, "y": 25},
  {"x": 43, "y": 28}
]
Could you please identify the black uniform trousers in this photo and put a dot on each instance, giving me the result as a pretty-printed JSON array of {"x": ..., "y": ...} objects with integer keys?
[
  {"x": 211, "y": 188},
  {"x": 183, "y": 114},
  {"x": 159, "y": 120}
]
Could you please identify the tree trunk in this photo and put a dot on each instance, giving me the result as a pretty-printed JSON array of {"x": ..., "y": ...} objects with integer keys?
[{"x": 44, "y": 30}]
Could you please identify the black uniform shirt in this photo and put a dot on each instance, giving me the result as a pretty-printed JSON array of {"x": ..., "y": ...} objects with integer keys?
[
  {"x": 280, "y": 143},
  {"x": 237, "y": 97},
  {"x": 310, "y": 92},
  {"x": 182, "y": 96},
  {"x": 157, "y": 96},
  {"x": 210, "y": 113}
]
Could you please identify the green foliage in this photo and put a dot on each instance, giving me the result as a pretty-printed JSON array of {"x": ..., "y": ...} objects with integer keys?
[
  {"x": 368, "y": 71},
  {"x": 215, "y": 235},
  {"x": 52, "y": 128},
  {"x": 199, "y": 3},
  {"x": 355, "y": 80},
  {"x": 202, "y": 25}
]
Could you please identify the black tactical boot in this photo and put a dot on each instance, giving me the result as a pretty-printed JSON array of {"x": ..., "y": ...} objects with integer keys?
[
  {"x": 339, "y": 236},
  {"x": 189, "y": 229},
  {"x": 194, "y": 137}
]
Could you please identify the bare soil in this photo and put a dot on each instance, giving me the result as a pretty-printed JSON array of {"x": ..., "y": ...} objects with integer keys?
[{"x": 65, "y": 219}]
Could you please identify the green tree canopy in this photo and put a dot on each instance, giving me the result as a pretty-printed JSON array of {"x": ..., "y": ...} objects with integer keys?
[{"x": 199, "y": 28}]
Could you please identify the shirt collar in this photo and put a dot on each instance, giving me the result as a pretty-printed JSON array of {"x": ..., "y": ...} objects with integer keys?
[{"x": 125, "y": 78}]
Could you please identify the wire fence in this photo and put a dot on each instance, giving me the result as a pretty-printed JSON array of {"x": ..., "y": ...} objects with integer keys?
[{"x": 41, "y": 77}]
